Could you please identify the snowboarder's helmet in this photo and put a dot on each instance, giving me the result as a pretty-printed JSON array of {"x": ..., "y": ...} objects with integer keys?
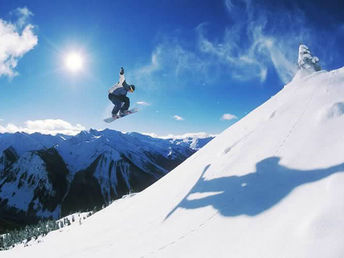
[{"x": 132, "y": 88}]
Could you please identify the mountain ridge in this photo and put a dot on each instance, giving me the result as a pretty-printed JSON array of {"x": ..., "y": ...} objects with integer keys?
[{"x": 43, "y": 176}]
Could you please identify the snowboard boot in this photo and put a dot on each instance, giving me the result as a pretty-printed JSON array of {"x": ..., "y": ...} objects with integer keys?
[{"x": 123, "y": 113}]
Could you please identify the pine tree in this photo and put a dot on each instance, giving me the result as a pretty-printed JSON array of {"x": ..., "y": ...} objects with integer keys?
[
  {"x": 306, "y": 61},
  {"x": 2, "y": 243}
]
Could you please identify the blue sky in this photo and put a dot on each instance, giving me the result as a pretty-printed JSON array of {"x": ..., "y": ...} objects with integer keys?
[{"x": 198, "y": 66}]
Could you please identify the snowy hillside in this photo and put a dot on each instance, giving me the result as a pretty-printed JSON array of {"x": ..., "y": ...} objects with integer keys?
[
  {"x": 269, "y": 186},
  {"x": 45, "y": 176}
]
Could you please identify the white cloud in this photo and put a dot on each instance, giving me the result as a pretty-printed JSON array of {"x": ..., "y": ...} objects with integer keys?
[
  {"x": 228, "y": 117},
  {"x": 47, "y": 126},
  {"x": 16, "y": 39},
  {"x": 178, "y": 118},
  {"x": 142, "y": 103}
]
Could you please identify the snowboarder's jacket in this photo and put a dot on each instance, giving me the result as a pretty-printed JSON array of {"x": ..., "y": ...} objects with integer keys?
[{"x": 121, "y": 88}]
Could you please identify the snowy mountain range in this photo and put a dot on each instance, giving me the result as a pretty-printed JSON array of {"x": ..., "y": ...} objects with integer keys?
[{"x": 45, "y": 176}]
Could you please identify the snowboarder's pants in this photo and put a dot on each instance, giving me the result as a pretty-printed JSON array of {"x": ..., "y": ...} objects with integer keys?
[{"x": 121, "y": 103}]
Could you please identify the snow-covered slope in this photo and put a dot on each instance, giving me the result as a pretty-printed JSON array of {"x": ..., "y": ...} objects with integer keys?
[{"x": 269, "y": 186}]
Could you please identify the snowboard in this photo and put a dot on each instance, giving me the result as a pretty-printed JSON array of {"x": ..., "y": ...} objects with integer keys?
[{"x": 111, "y": 119}]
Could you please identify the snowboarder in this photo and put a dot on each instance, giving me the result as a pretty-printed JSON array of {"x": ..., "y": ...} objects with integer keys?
[{"x": 118, "y": 96}]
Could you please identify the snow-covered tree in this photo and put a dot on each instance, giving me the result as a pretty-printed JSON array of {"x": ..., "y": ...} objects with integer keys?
[{"x": 306, "y": 61}]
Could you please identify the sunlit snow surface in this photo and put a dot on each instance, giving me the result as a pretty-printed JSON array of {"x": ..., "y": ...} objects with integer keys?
[{"x": 271, "y": 185}]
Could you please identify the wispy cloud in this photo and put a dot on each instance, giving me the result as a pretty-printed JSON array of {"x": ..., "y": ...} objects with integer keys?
[
  {"x": 171, "y": 59},
  {"x": 16, "y": 39},
  {"x": 228, "y": 117},
  {"x": 178, "y": 118},
  {"x": 262, "y": 48},
  {"x": 47, "y": 126},
  {"x": 143, "y": 103},
  {"x": 252, "y": 45},
  {"x": 153, "y": 66},
  {"x": 181, "y": 136},
  {"x": 23, "y": 14},
  {"x": 240, "y": 62}
]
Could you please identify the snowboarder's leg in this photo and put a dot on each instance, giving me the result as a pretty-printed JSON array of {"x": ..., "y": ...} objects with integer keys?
[
  {"x": 126, "y": 105},
  {"x": 115, "y": 110},
  {"x": 117, "y": 102}
]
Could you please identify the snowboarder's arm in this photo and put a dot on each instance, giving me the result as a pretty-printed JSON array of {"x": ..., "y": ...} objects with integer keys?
[
  {"x": 126, "y": 86},
  {"x": 121, "y": 76}
]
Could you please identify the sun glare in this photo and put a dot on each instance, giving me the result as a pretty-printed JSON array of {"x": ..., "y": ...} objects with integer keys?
[{"x": 74, "y": 62}]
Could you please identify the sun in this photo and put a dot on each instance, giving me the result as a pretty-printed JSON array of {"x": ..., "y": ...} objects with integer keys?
[{"x": 74, "y": 62}]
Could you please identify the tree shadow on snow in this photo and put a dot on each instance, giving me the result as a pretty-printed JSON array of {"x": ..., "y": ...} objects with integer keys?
[{"x": 252, "y": 193}]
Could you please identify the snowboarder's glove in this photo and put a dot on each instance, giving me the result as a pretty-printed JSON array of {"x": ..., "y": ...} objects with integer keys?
[{"x": 121, "y": 71}]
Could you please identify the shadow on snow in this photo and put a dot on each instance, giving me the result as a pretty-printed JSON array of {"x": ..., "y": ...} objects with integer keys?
[{"x": 252, "y": 193}]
